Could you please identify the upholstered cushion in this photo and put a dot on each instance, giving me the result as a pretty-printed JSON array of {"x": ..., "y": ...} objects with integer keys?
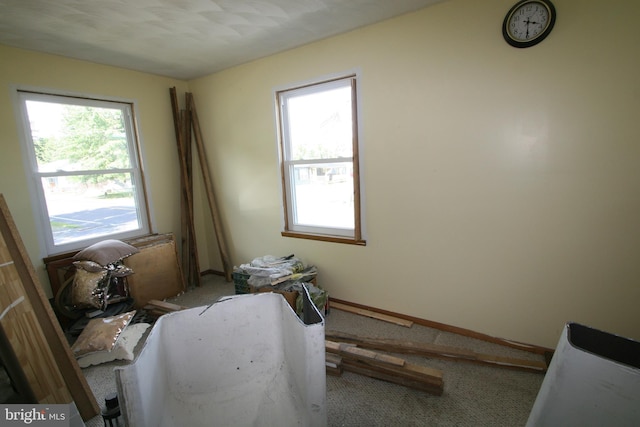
[
  {"x": 123, "y": 350},
  {"x": 86, "y": 288},
  {"x": 101, "y": 334},
  {"x": 106, "y": 252}
]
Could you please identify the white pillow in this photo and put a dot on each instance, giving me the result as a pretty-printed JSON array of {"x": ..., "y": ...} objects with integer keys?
[{"x": 123, "y": 350}]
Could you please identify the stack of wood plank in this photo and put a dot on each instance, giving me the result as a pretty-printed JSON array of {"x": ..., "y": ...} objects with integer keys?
[{"x": 349, "y": 357}]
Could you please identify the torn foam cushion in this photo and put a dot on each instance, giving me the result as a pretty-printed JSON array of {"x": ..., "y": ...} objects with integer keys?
[
  {"x": 123, "y": 350},
  {"x": 101, "y": 334}
]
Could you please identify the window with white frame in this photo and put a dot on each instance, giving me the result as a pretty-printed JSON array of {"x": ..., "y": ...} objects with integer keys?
[
  {"x": 319, "y": 162},
  {"x": 84, "y": 164}
]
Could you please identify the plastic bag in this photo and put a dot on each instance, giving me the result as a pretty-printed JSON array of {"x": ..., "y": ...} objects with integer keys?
[{"x": 271, "y": 270}]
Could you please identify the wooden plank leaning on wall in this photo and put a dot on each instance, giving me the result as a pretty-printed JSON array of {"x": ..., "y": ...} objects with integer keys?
[
  {"x": 185, "y": 121},
  {"x": 32, "y": 329}
]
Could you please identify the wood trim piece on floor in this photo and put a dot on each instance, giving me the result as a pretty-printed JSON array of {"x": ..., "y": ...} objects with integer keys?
[
  {"x": 547, "y": 352},
  {"x": 453, "y": 329}
]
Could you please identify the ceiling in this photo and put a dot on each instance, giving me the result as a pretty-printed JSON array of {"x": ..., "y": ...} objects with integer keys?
[{"x": 184, "y": 39}]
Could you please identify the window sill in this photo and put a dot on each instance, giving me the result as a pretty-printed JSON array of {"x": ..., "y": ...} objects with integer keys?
[{"x": 325, "y": 238}]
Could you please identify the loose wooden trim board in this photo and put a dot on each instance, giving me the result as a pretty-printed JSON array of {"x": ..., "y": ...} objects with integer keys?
[
  {"x": 372, "y": 314},
  {"x": 363, "y": 354},
  {"x": 547, "y": 352},
  {"x": 439, "y": 351}
]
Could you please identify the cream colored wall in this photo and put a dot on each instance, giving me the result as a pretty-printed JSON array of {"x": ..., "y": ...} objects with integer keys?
[
  {"x": 151, "y": 94},
  {"x": 501, "y": 184}
]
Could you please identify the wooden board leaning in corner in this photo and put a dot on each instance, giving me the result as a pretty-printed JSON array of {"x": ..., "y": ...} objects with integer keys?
[{"x": 37, "y": 345}]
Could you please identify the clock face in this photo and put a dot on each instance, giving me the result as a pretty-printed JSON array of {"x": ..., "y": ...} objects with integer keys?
[{"x": 528, "y": 22}]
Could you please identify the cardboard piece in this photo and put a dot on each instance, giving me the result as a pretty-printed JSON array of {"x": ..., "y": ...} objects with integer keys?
[
  {"x": 291, "y": 297},
  {"x": 156, "y": 271}
]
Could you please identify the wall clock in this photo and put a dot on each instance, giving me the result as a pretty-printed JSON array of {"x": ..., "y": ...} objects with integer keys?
[{"x": 528, "y": 22}]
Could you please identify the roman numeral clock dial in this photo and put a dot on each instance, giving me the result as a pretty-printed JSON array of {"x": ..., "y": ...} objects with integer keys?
[{"x": 528, "y": 22}]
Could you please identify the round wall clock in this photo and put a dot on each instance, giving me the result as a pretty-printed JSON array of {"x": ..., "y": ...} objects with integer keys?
[{"x": 528, "y": 22}]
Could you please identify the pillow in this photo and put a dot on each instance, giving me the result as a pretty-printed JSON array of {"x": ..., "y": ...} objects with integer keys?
[
  {"x": 101, "y": 334},
  {"x": 123, "y": 349},
  {"x": 87, "y": 288},
  {"x": 106, "y": 252}
]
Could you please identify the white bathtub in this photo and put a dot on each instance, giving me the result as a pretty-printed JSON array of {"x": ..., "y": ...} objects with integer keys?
[{"x": 247, "y": 360}]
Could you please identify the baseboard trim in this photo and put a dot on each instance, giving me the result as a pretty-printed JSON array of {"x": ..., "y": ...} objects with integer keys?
[
  {"x": 453, "y": 329},
  {"x": 215, "y": 272},
  {"x": 547, "y": 352}
]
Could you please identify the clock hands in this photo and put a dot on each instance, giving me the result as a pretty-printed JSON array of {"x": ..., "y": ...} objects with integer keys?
[{"x": 529, "y": 22}]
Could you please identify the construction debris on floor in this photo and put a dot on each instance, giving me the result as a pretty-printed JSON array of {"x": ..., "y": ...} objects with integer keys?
[
  {"x": 112, "y": 276},
  {"x": 284, "y": 275},
  {"x": 382, "y": 366},
  {"x": 110, "y": 280},
  {"x": 353, "y": 353},
  {"x": 438, "y": 351}
]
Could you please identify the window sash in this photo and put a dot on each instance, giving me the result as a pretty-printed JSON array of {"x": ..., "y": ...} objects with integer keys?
[{"x": 304, "y": 220}]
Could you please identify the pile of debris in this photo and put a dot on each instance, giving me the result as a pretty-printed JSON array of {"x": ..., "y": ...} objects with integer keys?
[
  {"x": 269, "y": 270},
  {"x": 284, "y": 275}
]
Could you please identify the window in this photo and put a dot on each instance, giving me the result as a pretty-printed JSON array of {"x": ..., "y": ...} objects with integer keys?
[
  {"x": 318, "y": 135},
  {"x": 84, "y": 166}
]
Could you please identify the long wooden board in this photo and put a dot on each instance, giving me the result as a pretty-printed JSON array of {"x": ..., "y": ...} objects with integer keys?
[
  {"x": 439, "y": 351},
  {"x": 372, "y": 314},
  {"x": 545, "y": 351},
  {"x": 208, "y": 185},
  {"x": 373, "y": 372},
  {"x": 363, "y": 354},
  {"x": 30, "y": 325},
  {"x": 182, "y": 128}
]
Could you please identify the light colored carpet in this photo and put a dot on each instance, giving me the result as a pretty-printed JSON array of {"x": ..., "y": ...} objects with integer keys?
[{"x": 474, "y": 395}]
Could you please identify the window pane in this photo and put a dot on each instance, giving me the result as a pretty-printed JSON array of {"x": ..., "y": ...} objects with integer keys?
[
  {"x": 323, "y": 195},
  {"x": 320, "y": 125},
  {"x": 87, "y": 206},
  {"x": 77, "y": 137}
]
